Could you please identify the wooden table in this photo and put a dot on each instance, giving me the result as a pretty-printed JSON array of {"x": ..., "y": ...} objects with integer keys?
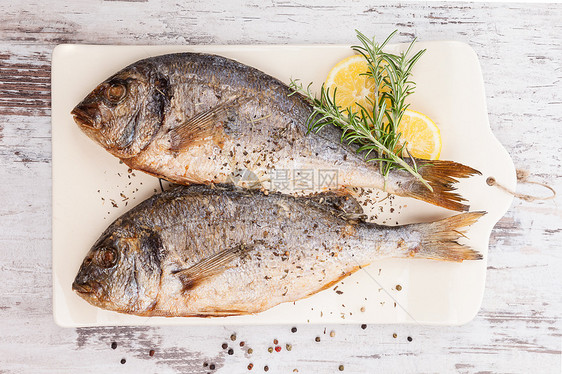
[{"x": 518, "y": 328}]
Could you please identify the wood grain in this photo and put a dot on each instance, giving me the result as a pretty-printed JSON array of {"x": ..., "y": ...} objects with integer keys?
[{"x": 518, "y": 329}]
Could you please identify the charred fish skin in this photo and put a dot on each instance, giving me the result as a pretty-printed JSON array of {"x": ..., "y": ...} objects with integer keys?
[
  {"x": 200, "y": 251},
  {"x": 197, "y": 118}
]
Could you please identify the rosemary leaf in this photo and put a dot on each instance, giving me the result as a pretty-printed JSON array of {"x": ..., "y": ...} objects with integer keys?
[{"x": 373, "y": 129}]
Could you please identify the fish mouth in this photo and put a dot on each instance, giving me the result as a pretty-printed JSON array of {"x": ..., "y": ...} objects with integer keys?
[
  {"x": 84, "y": 289},
  {"x": 82, "y": 118}
]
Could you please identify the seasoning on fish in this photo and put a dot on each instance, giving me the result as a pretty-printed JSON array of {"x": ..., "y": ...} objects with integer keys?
[
  {"x": 201, "y": 251},
  {"x": 196, "y": 118}
]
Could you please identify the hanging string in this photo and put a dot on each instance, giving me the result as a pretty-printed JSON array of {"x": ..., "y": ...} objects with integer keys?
[{"x": 522, "y": 178}]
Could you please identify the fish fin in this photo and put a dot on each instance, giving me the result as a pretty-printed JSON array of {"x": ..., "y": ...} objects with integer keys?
[
  {"x": 342, "y": 276},
  {"x": 199, "y": 126},
  {"x": 340, "y": 203},
  {"x": 210, "y": 266},
  {"x": 439, "y": 239},
  {"x": 441, "y": 175}
]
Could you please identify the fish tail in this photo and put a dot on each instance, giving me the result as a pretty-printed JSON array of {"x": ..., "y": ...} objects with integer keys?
[
  {"x": 439, "y": 239},
  {"x": 440, "y": 175}
]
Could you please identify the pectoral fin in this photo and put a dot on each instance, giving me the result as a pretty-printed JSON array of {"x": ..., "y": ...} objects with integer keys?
[
  {"x": 200, "y": 126},
  {"x": 210, "y": 266}
]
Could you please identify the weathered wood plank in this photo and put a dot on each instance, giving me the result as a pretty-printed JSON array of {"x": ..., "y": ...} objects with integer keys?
[{"x": 519, "y": 326}]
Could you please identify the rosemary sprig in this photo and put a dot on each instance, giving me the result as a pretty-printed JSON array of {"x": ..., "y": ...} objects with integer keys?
[{"x": 373, "y": 129}]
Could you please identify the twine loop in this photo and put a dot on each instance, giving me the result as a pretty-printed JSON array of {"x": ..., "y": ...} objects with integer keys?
[{"x": 522, "y": 178}]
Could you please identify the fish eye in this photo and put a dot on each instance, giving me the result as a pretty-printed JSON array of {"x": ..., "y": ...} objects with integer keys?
[
  {"x": 106, "y": 257},
  {"x": 116, "y": 92}
]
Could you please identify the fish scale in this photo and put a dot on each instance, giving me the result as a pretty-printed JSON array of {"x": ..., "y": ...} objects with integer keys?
[
  {"x": 185, "y": 116},
  {"x": 202, "y": 251}
]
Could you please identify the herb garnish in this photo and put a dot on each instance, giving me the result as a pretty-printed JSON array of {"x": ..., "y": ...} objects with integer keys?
[{"x": 373, "y": 129}]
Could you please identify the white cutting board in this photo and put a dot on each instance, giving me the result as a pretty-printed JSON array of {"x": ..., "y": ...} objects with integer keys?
[{"x": 450, "y": 90}]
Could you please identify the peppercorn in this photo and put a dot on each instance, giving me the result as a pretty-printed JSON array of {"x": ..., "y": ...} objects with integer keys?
[
  {"x": 294, "y": 329},
  {"x": 317, "y": 339}
]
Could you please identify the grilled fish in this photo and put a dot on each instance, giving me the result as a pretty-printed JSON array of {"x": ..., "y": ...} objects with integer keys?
[
  {"x": 202, "y": 251},
  {"x": 197, "y": 118}
]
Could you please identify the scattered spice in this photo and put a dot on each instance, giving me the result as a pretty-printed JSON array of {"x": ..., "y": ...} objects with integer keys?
[
  {"x": 275, "y": 341},
  {"x": 270, "y": 349},
  {"x": 250, "y": 351},
  {"x": 289, "y": 347},
  {"x": 231, "y": 351},
  {"x": 242, "y": 344},
  {"x": 278, "y": 349},
  {"x": 362, "y": 309},
  {"x": 317, "y": 339},
  {"x": 363, "y": 326},
  {"x": 123, "y": 361},
  {"x": 410, "y": 338},
  {"x": 151, "y": 352},
  {"x": 294, "y": 329},
  {"x": 113, "y": 345},
  {"x": 205, "y": 364},
  {"x": 394, "y": 335},
  {"x": 398, "y": 287},
  {"x": 233, "y": 337},
  {"x": 332, "y": 334},
  {"x": 266, "y": 368},
  {"x": 340, "y": 368},
  {"x": 212, "y": 366},
  {"x": 250, "y": 366},
  {"x": 224, "y": 346}
]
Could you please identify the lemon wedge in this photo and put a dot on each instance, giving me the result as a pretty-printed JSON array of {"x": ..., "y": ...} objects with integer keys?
[
  {"x": 421, "y": 134},
  {"x": 352, "y": 87}
]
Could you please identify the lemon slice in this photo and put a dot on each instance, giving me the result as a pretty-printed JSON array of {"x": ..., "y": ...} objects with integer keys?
[
  {"x": 421, "y": 134},
  {"x": 352, "y": 87}
]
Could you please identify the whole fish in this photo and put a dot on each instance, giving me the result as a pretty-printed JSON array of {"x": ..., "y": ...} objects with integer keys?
[
  {"x": 197, "y": 118},
  {"x": 201, "y": 251}
]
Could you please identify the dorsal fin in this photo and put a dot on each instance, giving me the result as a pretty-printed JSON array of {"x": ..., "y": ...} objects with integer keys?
[
  {"x": 340, "y": 203},
  {"x": 210, "y": 266},
  {"x": 199, "y": 126}
]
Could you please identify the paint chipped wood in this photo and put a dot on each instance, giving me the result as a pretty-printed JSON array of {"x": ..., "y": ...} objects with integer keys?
[{"x": 518, "y": 327}]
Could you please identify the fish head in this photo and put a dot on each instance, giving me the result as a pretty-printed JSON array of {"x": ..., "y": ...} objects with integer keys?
[
  {"x": 123, "y": 113},
  {"x": 121, "y": 272}
]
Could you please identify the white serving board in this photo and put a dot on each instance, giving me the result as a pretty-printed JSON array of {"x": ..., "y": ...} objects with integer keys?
[{"x": 450, "y": 90}]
